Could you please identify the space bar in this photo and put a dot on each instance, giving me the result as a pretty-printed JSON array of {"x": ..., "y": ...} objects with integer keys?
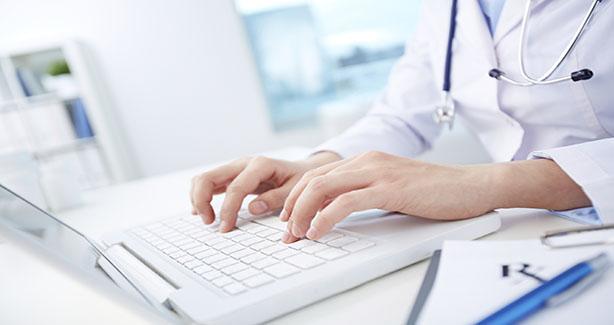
[{"x": 273, "y": 222}]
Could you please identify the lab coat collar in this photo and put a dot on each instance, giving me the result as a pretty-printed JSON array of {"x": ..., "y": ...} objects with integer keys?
[
  {"x": 511, "y": 17},
  {"x": 473, "y": 29}
]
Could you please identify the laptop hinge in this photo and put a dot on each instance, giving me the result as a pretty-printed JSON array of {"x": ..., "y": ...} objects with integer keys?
[{"x": 149, "y": 282}]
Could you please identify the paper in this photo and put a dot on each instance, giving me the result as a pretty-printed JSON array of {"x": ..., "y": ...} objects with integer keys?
[{"x": 475, "y": 278}]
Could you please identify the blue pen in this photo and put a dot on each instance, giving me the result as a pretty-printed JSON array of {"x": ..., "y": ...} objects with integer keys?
[{"x": 553, "y": 292}]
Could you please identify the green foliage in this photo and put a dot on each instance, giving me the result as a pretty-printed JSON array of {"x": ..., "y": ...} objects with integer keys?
[{"x": 58, "y": 67}]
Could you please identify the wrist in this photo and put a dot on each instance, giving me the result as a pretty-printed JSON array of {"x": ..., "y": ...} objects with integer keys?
[{"x": 539, "y": 183}]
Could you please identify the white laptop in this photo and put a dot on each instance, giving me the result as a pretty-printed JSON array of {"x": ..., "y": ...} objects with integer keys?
[{"x": 191, "y": 273}]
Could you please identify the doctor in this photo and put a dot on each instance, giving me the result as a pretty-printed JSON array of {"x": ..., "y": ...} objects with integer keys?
[{"x": 551, "y": 137}]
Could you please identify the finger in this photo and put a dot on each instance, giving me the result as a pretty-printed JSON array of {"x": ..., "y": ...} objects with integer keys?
[
  {"x": 257, "y": 171},
  {"x": 300, "y": 186},
  {"x": 318, "y": 192},
  {"x": 270, "y": 200},
  {"x": 287, "y": 237},
  {"x": 207, "y": 184},
  {"x": 341, "y": 207}
]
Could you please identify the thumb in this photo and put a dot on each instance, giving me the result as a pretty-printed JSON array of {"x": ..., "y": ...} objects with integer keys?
[{"x": 270, "y": 200}]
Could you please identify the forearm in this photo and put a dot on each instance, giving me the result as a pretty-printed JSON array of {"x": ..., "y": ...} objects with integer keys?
[{"x": 539, "y": 183}]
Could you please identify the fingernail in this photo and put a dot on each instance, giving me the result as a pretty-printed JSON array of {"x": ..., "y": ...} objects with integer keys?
[
  {"x": 285, "y": 237},
  {"x": 259, "y": 207},
  {"x": 283, "y": 215},
  {"x": 312, "y": 233}
]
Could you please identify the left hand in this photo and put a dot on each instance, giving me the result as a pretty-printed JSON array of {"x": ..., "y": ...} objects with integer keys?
[{"x": 326, "y": 195}]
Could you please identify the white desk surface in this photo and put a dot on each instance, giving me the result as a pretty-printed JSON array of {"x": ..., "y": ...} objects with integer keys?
[{"x": 52, "y": 297}]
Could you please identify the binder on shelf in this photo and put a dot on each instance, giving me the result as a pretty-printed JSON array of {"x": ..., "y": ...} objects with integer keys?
[
  {"x": 80, "y": 121},
  {"x": 29, "y": 83}
]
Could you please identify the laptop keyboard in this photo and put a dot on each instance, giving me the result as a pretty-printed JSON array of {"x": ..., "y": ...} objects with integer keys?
[{"x": 250, "y": 256}]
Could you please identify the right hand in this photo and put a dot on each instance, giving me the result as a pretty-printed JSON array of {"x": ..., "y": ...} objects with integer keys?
[{"x": 271, "y": 179}]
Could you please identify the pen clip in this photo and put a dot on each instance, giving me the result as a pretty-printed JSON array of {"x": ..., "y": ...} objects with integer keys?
[{"x": 575, "y": 289}]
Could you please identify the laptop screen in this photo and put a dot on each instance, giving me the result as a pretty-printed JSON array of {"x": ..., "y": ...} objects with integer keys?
[{"x": 21, "y": 217}]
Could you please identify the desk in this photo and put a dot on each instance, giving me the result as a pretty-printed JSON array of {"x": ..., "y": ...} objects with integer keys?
[{"x": 386, "y": 300}]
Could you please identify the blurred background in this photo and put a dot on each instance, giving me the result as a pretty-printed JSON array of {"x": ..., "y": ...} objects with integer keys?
[{"x": 93, "y": 93}]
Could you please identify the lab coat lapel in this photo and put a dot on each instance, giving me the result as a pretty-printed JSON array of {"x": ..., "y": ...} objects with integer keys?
[
  {"x": 511, "y": 17},
  {"x": 472, "y": 29}
]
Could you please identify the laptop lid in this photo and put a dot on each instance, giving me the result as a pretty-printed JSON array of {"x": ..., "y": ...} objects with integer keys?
[{"x": 28, "y": 224}]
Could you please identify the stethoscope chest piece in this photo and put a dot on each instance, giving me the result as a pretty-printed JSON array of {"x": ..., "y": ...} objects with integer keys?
[{"x": 444, "y": 112}]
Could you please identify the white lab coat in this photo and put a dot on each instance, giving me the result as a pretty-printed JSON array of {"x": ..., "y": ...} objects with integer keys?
[{"x": 571, "y": 123}]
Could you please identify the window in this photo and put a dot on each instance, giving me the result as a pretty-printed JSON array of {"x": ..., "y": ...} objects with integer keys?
[{"x": 313, "y": 52}]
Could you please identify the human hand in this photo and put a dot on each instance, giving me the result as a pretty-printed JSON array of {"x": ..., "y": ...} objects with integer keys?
[
  {"x": 327, "y": 194},
  {"x": 271, "y": 179}
]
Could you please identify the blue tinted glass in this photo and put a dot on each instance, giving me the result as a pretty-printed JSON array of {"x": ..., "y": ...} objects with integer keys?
[{"x": 313, "y": 52}]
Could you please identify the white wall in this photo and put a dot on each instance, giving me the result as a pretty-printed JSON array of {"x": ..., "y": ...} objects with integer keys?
[{"x": 179, "y": 73}]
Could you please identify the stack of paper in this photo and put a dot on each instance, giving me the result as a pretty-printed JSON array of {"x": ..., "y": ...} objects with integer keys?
[{"x": 475, "y": 278}]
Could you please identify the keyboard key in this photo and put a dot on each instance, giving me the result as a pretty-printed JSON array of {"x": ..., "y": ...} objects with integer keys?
[
  {"x": 242, "y": 237},
  {"x": 301, "y": 244},
  {"x": 268, "y": 261},
  {"x": 258, "y": 280},
  {"x": 212, "y": 241},
  {"x": 197, "y": 249},
  {"x": 262, "y": 245},
  {"x": 330, "y": 236},
  {"x": 242, "y": 253},
  {"x": 267, "y": 232},
  {"x": 256, "y": 229},
  {"x": 206, "y": 253},
  {"x": 213, "y": 274},
  {"x": 304, "y": 261},
  {"x": 272, "y": 222},
  {"x": 342, "y": 241},
  {"x": 233, "y": 233},
  {"x": 182, "y": 242},
  {"x": 316, "y": 247},
  {"x": 184, "y": 259},
  {"x": 276, "y": 236},
  {"x": 170, "y": 250},
  {"x": 252, "y": 241},
  {"x": 224, "y": 263},
  {"x": 162, "y": 246},
  {"x": 177, "y": 255},
  {"x": 235, "y": 288},
  {"x": 202, "y": 269},
  {"x": 233, "y": 248},
  {"x": 214, "y": 258},
  {"x": 249, "y": 259},
  {"x": 234, "y": 268},
  {"x": 190, "y": 245},
  {"x": 244, "y": 274},
  {"x": 331, "y": 253},
  {"x": 359, "y": 245},
  {"x": 206, "y": 237},
  {"x": 222, "y": 281},
  {"x": 223, "y": 244},
  {"x": 273, "y": 249},
  {"x": 281, "y": 270},
  {"x": 247, "y": 226},
  {"x": 192, "y": 264},
  {"x": 283, "y": 254}
]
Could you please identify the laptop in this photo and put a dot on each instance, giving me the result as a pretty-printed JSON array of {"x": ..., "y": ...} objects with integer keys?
[{"x": 189, "y": 272}]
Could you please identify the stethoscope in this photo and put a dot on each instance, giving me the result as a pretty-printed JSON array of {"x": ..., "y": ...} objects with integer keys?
[{"x": 444, "y": 113}]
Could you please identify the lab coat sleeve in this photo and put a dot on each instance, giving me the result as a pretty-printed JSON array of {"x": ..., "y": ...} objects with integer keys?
[
  {"x": 400, "y": 121},
  {"x": 590, "y": 165}
]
